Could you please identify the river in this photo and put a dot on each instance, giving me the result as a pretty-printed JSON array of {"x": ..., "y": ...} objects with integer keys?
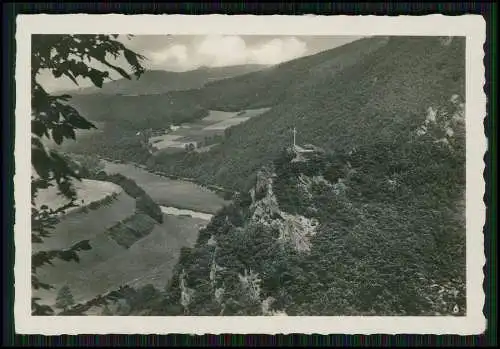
[
  {"x": 180, "y": 212},
  {"x": 175, "y": 195}
]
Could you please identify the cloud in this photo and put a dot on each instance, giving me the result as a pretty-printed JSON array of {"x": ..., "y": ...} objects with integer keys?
[
  {"x": 279, "y": 50},
  {"x": 176, "y": 55},
  {"x": 220, "y": 51}
]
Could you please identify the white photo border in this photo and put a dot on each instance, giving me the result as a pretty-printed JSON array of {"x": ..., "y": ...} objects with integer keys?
[{"x": 473, "y": 27}]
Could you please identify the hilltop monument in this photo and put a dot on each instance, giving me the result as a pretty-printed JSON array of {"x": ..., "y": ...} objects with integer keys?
[{"x": 306, "y": 148}]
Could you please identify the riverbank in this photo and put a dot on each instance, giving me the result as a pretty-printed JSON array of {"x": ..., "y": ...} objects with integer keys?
[
  {"x": 223, "y": 192},
  {"x": 177, "y": 193},
  {"x": 180, "y": 212}
]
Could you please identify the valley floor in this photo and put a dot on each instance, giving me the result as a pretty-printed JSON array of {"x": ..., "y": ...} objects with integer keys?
[{"x": 107, "y": 265}]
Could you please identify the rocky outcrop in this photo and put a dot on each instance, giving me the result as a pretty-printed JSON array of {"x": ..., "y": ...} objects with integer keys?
[
  {"x": 294, "y": 229},
  {"x": 266, "y": 308},
  {"x": 251, "y": 284},
  {"x": 187, "y": 293},
  {"x": 443, "y": 123},
  {"x": 297, "y": 230}
]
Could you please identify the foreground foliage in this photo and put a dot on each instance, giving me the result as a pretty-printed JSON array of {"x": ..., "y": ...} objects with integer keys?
[{"x": 54, "y": 119}]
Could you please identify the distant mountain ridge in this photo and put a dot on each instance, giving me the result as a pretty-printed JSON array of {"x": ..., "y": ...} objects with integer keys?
[{"x": 162, "y": 81}]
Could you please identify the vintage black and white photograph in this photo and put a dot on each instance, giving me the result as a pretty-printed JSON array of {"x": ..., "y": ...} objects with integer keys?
[{"x": 250, "y": 175}]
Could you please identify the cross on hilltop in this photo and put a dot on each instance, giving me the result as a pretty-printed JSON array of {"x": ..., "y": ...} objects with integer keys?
[{"x": 307, "y": 148}]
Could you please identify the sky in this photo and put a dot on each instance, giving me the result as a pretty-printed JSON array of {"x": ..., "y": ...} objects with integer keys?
[{"x": 188, "y": 52}]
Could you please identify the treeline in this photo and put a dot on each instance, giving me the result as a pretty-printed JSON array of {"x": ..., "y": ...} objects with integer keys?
[
  {"x": 94, "y": 205},
  {"x": 131, "y": 229},
  {"x": 111, "y": 141},
  {"x": 141, "y": 112},
  {"x": 143, "y": 201}
]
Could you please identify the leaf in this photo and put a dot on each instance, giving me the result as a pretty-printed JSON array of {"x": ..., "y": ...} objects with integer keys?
[
  {"x": 68, "y": 131},
  {"x": 66, "y": 189},
  {"x": 79, "y": 122},
  {"x": 57, "y": 73},
  {"x": 57, "y": 135},
  {"x": 97, "y": 79},
  {"x": 72, "y": 78},
  {"x": 40, "y": 258},
  {"x": 131, "y": 57},
  {"x": 41, "y": 310},
  {"x": 38, "y": 128},
  {"x": 120, "y": 70},
  {"x": 62, "y": 55},
  {"x": 40, "y": 162}
]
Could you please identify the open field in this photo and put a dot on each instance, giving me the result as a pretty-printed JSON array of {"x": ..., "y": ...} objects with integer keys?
[
  {"x": 197, "y": 132},
  {"x": 77, "y": 226},
  {"x": 222, "y": 125},
  {"x": 149, "y": 261},
  {"x": 215, "y": 116},
  {"x": 87, "y": 191}
]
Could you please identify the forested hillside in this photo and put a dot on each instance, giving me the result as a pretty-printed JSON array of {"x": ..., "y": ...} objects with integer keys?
[
  {"x": 374, "y": 101},
  {"x": 272, "y": 86},
  {"x": 357, "y": 233},
  {"x": 155, "y": 111}
]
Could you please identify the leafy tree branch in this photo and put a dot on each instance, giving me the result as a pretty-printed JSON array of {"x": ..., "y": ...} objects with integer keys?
[{"x": 76, "y": 57}]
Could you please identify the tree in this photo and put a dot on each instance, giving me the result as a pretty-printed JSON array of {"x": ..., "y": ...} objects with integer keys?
[
  {"x": 64, "y": 298},
  {"x": 75, "y": 57}
]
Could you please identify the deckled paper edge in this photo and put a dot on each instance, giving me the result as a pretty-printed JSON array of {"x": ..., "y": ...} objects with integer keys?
[{"x": 471, "y": 26}]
